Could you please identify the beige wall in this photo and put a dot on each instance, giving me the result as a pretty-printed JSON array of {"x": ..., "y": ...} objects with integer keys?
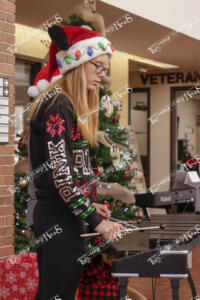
[
  {"x": 120, "y": 79},
  {"x": 159, "y": 97},
  {"x": 159, "y": 132},
  {"x": 188, "y": 115},
  {"x": 28, "y": 41}
]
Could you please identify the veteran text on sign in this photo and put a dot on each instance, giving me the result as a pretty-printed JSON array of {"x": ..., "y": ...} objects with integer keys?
[{"x": 168, "y": 78}]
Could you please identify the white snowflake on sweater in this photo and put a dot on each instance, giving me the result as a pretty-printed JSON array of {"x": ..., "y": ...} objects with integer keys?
[
  {"x": 22, "y": 290},
  {"x": 22, "y": 274},
  {"x": 32, "y": 255},
  {"x": 27, "y": 265},
  {"x": 4, "y": 292},
  {"x": 8, "y": 265},
  {"x": 11, "y": 277},
  {"x": 31, "y": 284},
  {"x": 14, "y": 287}
]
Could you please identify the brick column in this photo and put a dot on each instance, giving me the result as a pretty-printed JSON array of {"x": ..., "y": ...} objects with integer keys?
[{"x": 7, "y": 69}]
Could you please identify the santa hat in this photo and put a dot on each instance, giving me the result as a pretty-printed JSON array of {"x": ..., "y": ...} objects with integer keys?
[
  {"x": 41, "y": 82},
  {"x": 70, "y": 47}
]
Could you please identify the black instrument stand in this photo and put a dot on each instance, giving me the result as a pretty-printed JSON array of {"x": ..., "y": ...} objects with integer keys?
[
  {"x": 195, "y": 296},
  {"x": 175, "y": 283},
  {"x": 175, "y": 288},
  {"x": 122, "y": 292}
]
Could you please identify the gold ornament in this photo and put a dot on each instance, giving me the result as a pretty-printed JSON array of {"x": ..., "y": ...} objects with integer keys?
[{"x": 23, "y": 182}]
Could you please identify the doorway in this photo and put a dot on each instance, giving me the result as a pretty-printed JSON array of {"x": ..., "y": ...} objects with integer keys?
[
  {"x": 185, "y": 127},
  {"x": 138, "y": 114}
]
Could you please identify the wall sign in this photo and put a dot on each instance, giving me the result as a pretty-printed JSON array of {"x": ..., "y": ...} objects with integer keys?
[
  {"x": 168, "y": 78},
  {"x": 4, "y": 110}
]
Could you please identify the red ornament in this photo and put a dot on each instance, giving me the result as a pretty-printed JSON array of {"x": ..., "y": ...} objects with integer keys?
[
  {"x": 78, "y": 54},
  {"x": 126, "y": 175},
  {"x": 54, "y": 125},
  {"x": 191, "y": 163},
  {"x": 98, "y": 170},
  {"x": 107, "y": 205},
  {"x": 112, "y": 48},
  {"x": 128, "y": 168},
  {"x": 116, "y": 120},
  {"x": 97, "y": 241},
  {"x": 118, "y": 202},
  {"x": 20, "y": 145}
]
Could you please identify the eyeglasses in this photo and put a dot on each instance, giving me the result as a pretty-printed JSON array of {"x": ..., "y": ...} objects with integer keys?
[{"x": 99, "y": 69}]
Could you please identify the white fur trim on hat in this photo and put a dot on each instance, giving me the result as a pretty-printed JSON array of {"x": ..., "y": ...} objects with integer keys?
[
  {"x": 42, "y": 84},
  {"x": 83, "y": 46},
  {"x": 33, "y": 91},
  {"x": 55, "y": 78},
  {"x": 86, "y": 26}
]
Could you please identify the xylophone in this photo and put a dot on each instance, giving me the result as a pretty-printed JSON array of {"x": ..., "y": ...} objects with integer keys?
[{"x": 175, "y": 264}]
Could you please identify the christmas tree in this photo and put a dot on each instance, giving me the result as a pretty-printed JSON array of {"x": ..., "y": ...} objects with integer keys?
[{"x": 22, "y": 235}]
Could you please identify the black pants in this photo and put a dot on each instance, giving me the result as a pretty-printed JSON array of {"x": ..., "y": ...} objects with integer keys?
[{"x": 59, "y": 271}]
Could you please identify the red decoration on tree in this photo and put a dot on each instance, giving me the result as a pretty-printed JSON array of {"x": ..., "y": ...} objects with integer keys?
[
  {"x": 97, "y": 241},
  {"x": 116, "y": 119},
  {"x": 54, "y": 125},
  {"x": 118, "y": 202},
  {"x": 191, "y": 163},
  {"x": 128, "y": 168},
  {"x": 107, "y": 204},
  {"x": 20, "y": 145},
  {"x": 98, "y": 170},
  {"x": 126, "y": 175}
]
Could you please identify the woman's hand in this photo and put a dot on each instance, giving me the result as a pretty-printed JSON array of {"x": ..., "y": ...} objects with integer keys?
[
  {"x": 102, "y": 210},
  {"x": 109, "y": 230}
]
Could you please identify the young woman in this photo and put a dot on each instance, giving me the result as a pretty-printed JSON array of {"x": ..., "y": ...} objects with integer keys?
[{"x": 59, "y": 156}]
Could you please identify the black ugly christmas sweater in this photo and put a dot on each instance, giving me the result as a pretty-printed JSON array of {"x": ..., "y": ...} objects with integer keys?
[{"x": 60, "y": 159}]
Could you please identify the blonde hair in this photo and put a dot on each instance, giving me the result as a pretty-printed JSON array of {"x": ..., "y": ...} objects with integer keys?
[{"x": 74, "y": 86}]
